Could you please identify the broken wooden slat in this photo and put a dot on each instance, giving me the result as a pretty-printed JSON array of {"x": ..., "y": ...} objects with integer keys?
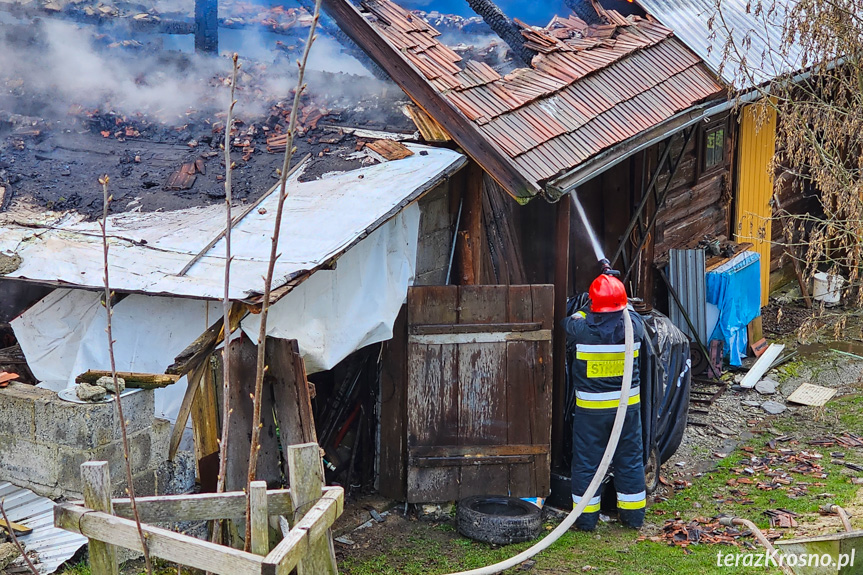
[
  {"x": 190, "y": 357},
  {"x": 16, "y": 527},
  {"x": 205, "y": 424},
  {"x": 473, "y": 327},
  {"x": 182, "y": 179},
  {"x": 390, "y": 149},
  {"x": 132, "y": 379}
]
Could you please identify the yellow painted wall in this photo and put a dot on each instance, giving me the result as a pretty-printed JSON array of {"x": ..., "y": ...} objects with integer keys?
[{"x": 757, "y": 145}]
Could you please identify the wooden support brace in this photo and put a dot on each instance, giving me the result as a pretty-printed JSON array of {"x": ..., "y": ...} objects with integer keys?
[
  {"x": 138, "y": 380},
  {"x": 97, "y": 495},
  {"x": 260, "y": 523},
  {"x": 167, "y": 545},
  {"x": 204, "y": 506},
  {"x": 307, "y": 480}
]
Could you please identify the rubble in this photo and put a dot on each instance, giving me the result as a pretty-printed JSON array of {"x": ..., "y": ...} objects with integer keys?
[
  {"x": 701, "y": 531},
  {"x": 773, "y": 407},
  {"x": 107, "y": 383},
  {"x": 766, "y": 386},
  {"x": 88, "y": 392}
]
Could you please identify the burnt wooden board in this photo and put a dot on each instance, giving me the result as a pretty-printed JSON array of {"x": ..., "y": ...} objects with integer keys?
[{"x": 478, "y": 395}]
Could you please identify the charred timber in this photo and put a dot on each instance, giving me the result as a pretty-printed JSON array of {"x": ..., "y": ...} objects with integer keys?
[
  {"x": 207, "y": 26},
  {"x": 503, "y": 27}
]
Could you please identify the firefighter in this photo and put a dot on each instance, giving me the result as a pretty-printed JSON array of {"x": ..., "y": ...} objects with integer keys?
[{"x": 597, "y": 374}]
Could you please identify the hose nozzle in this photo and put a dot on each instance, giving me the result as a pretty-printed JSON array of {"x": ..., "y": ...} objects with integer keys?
[{"x": 607, "y": 269}]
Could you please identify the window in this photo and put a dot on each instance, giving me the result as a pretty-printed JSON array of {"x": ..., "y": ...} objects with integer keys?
[{"x": 714, "y": 147}]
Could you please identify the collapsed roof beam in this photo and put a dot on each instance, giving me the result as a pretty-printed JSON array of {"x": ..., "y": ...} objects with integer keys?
[
  {"x": 505, "y": 28},
  {"x": 412, "y": 81}
]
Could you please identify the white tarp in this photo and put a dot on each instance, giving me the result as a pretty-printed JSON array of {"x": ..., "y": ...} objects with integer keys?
[{"x": 332, "y": 314}]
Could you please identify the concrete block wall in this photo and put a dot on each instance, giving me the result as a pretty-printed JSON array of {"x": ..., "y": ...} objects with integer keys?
[
  {"x": 44, "y": 440},
  {"x": 435, "y": 237}
]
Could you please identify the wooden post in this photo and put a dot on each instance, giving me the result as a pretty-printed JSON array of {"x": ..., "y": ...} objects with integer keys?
[
  {"x": 307, "y": 481},
  {"x": 207, "y": 26},
  {"x": 97, "y": 496},
  {"x": 561, "y": 275},
  {"x": 260, "y": 521},
  {"x": 471, "y": 225}
]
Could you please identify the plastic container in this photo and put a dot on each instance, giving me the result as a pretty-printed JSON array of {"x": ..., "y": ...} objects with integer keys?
[{"x": 827, "y": 288}]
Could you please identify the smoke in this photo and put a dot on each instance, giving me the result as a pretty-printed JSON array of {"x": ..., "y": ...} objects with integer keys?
[{"x": 67, "y": 65}]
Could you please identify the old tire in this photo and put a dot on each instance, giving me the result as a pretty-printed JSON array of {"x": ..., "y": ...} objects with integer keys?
[
  {"x": 498, "y": 519},
  {"x": 651, "y": 472}
]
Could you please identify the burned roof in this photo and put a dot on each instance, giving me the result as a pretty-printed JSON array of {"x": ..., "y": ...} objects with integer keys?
[{"x": 590, "y": 86}]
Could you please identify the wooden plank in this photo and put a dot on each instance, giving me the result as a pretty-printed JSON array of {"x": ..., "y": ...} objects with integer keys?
[
  {"x": 477, "y": 327},
  {"x": 505, "y": 461},
  {"x": 482, "y": 409},
  {"x": 392, "y": 460},
  {"x": 137, "y": 380},
  {"x": 167, "y": 545},
  {"x": 563, "y": 239},
  {"x": 192, "y": 387},
  {"x": 543, "y": 298},
  {"x": 480, "y": 337},
  {"x": 206, "y": 342},
  {"x": 244, "y": 357},
  {"x": 471, "y": 232},
  {"x": 476, "y": 451},
  {"x": 205, "y": 423},
  {"x": 432, "y": 417},
  {"x": 259, "y": 518},
  {"x": 412, "y": 81},
  {"x": 97, "y": 495},
  {"x": 432, "y": 305},
  {"x": 482, "y": 304},
  {"x": 16, "y": 527},
  {"x": 309, "y": 532},
  {"x": 293, "y": 404},
  {"x": 204, "y": 506},
  {"x": 307, "y": 479}
]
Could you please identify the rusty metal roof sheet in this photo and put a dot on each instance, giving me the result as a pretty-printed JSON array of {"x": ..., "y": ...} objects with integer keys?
[{"x": 590, "y": 86}]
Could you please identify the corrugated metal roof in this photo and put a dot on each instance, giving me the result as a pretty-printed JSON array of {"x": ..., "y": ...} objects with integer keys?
[
  {"x": 757, "y": 36},
  {"x": 322, "y": 219},
  {"x": 52, "y": 546},
  {"x": 589, "y": 88}
]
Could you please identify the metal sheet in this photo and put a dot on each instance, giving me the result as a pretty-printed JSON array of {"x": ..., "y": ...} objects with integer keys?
[
  {"x": 322, "y": 219},
  {"x": 686, "y": 271},
  {"x": 690, "y": 20},
  {"x": 52, "y": 546}
]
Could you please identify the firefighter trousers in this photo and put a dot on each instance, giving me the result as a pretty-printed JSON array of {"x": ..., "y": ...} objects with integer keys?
[{"x": 591, "y": 431}]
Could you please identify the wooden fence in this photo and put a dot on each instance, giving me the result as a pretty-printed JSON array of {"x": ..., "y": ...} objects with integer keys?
[{"x": 308, "y": 506}]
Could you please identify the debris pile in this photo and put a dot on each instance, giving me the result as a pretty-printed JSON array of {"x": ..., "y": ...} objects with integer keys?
[{"x": 704, "y": 531}]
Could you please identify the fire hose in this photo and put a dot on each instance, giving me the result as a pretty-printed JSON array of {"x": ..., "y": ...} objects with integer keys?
[{"x": 598, "y": 477}]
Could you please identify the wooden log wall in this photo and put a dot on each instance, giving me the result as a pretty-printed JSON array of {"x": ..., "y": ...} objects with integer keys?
[{"x": 697, "y": 204}]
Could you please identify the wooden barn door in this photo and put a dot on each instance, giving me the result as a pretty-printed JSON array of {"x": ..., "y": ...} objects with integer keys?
[{"x": 479, "y": 391}]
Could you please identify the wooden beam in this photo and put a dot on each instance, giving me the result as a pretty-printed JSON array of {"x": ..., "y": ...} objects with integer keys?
[
  {"x": 472, "y": 225},
  {"x": 473, "y": 327},
  {"x": 138, "y": 380},
  {"x": 167, "y": 545},
  {"x": 205, "y": 422},
  {"x": 206, "y": 343},
  {"x": 561, "y": 288},
  {"x": 309, "y": 533},
  {"x": 97, "y": 495},
  {"x": 192, "y": 387},
  {"x": 307, "y": 479},
  {"x": 204, "y": 506},
  {"x": 483, "y": 150},
  {"x": 260, "y": 522}
]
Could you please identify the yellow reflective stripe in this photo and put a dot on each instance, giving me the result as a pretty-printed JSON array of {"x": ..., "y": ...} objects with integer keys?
[
  {"x": 605, "y": 404},
  {"x": 580, "y": 314},
  {"x": 603, "y": 356},
  {"x": 631, "y": 504},
  {"x": 590, "y": 508}
]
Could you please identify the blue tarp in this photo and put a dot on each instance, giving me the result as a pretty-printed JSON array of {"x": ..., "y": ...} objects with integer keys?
[{"x": 735, "y": 288}]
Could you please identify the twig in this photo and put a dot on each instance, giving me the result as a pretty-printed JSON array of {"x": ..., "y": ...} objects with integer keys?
[
  {"x": 15, "y": 538},
  {"x": 226, "y": 300},
  {"x": 130, "y": 485},
  {"x": 268, "y": 281}
]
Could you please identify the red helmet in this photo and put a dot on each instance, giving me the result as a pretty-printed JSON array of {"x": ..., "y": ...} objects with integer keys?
[{"x": 607, "y": 294}]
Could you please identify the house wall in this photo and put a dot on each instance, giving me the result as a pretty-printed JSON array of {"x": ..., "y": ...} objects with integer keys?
[{"x": 437, "y": 223}]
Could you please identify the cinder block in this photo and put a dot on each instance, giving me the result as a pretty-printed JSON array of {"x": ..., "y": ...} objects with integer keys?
[
  {"x": 432, "y": 278},
  {"x": 178, "y": 476},
  {"x": 138, "y": 409},
  {"x": 22, "y": 461},
  {"x": 85, "y": 426},
  {"x": 161, "y": 439},
  {"x": 17, "y": 408},
  {"x": 434, "y": 211},
  {"x": 433, "y": 251},
  {"x": 70, "y": 460}
]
